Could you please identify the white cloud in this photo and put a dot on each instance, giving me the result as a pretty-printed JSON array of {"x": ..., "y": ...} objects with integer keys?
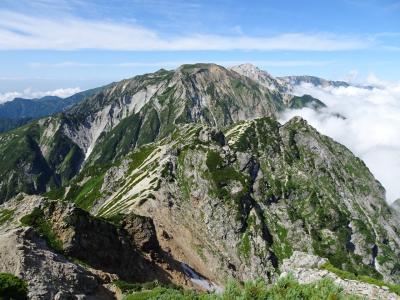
[
  {"x": 30, "y": 94},
  {"x": 20, "y": 31},
  {"x": 371, "y": 128}
]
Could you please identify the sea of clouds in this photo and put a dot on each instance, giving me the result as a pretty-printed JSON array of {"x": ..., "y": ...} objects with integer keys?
[
  {"x": 371, "y": 128},
  {"x": 31, "y": 94}
]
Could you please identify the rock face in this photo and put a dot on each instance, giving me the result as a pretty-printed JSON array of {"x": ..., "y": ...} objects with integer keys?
[
  {"x": 68, "y": 254},
  {"x": 235, "y": 203},
  {"x": 102, "y": 245},
  {"x": 50, "y": 275},
  {"x": 260, "y": 76},
  {"x": 142, "y": 232},
  {"x": 306, "y": 268},
  {"x": 396, "y": 206}
]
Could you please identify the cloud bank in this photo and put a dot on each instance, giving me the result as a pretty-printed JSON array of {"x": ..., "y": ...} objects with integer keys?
[
  {"x": 20, "y": 31},
  {"x": 371, "y": 128},
  {"x": 30, "y": 94}
]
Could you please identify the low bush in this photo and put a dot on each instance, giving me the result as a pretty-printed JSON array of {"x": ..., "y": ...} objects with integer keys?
[
  {"x": 12, "y": 287},
  {"x": 286, "y": 288}
]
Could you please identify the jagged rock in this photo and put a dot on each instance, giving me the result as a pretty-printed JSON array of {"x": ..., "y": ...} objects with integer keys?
[
  {"x": 91, "y": 253},
  {"x": 102, "y": 245},
  {"x": 142, "y": 232},
  {"x": 396, "y": 207},
  {"x": 302, "y": 260},
  {"x": 305, "y": 268},
  {"x": 49, "y": 275}
]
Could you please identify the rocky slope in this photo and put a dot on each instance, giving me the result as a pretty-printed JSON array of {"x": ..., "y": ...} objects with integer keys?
[
  {"x": 239, "y": 201},
  {"x": 286, "y": 85},
  {"x": 124, "y": 115},
  {"x": 262, "y": 77}
]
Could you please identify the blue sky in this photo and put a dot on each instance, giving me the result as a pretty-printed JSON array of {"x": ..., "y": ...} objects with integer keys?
[{"x": 52, "y": 44}]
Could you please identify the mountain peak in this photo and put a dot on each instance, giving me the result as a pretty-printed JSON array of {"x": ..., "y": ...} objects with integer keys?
[
  {"x": 190, "y": 67},
  {"x": 260, "y": 76},
  {"x": 248, "y": 69}
]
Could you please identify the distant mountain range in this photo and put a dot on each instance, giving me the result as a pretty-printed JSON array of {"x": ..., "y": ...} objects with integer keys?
[
  {"x": 20, "y": 111},
  {"x": 286, "y": 84}
]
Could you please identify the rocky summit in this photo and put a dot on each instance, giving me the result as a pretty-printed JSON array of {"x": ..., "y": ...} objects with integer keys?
[{"x": 186, "y": 178}]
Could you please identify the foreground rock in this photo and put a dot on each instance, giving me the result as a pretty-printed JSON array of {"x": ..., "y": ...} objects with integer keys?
[
  {"x": 49, "y": 275},
  {"x": 65, "y": 253},
  {"x": 306, "y": 268}
]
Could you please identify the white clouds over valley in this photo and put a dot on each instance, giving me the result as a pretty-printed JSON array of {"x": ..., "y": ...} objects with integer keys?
[
  {"x": 30, "y": 94},
  {"x": 371, "y": 128}
]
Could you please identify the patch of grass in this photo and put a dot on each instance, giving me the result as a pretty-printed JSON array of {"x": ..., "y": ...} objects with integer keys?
[
  {"x": 55, "y": 194},
  {"x": 12, "y": 287},
  {"x": 129, "y": 287},
  {"x": 89, "y": 192},
  {"x": 281, "y": 245},
  {"x": 37, "y": 220},
  {"x": 221, "y": 175},
  {"x": 140, "y": 155},
  {"x": 5, "y": 215},
  {"x": 245, "y": 246},
  {"x": 79, "y": 262}
]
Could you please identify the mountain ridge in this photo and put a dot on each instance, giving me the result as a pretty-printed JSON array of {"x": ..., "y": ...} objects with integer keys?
[{"x": 128, "y": 114}]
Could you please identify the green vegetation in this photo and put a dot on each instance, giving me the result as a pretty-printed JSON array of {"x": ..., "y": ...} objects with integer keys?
[
  {"x": 22, "y": 152},
  {"x": 19, "y": 146},
  {"x": 5, "y": 215},
  {"x": 55, "y": 194},
  {"x": 89, "y": 192},
  {"x": 116, "y": 219},
  {"x": 305, "y": 101},
  {"x": 86, "y": 193},
  {"x": 281, "y": 246},
  {"x": 351, "y": 276},
  {"x": 118, "y": 142},
  {"x": 128, "y": 287},
  {"x": 286, "y": 288},
  {"x": 140, "y": 155},
  {"x": 222, "y": 174},
  {"x": 12, "y": 287},
  {"x": 245, "y": 246},
  {"x": 37, "y": 220}
]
